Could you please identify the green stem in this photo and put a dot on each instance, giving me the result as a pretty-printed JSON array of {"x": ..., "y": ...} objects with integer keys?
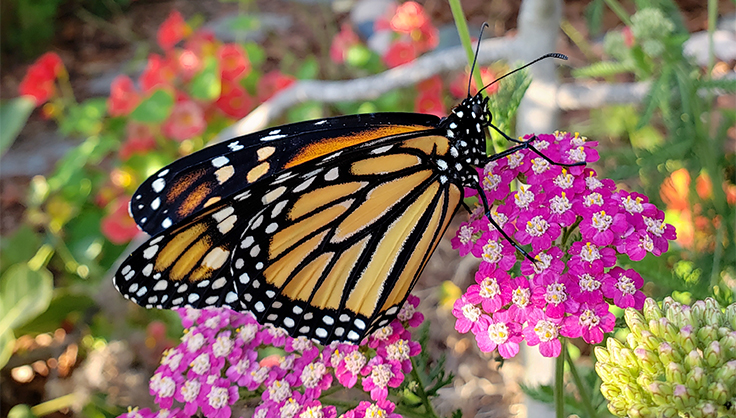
[
  {"x": 619, "y": 11},
  {"x": 462, "y": 29},
  {"x": 338, "y": 403},
  {"x": 49, "y": 407},
  {"x": 560, "y": 382},
  {"x": 582, "y": 390},
  {"x": 421, "y": 392}
]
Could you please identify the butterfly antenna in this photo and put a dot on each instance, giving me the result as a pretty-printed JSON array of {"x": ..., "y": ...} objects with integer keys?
[
  {"x": 475, "y": 58},
  {"x": 545, "y": 56}
]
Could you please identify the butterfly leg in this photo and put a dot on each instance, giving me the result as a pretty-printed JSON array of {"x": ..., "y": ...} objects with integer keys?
[
  {"x": 528, "y": 145},
  {"x": 493, "y": 222}
]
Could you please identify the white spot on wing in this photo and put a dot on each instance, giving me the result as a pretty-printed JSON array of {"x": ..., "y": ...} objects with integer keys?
[
  {"x": 158, "y": 185},
  {"x": 273, "y": 195},
  {"x": 220, "y": 161},
  {"x": 272, "y": 137},
  {"x": 304, "y": 185},
  {"x": 235, "y": 146},
  {"x": 332, "y": 174}
]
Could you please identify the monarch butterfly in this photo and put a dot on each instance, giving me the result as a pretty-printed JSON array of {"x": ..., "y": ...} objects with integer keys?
[{"x": 319, "y": 227}]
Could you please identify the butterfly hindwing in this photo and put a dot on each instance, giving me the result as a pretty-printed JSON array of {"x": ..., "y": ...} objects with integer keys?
[
  {"x": 335, "y": 247},
  {"x": 199, "y": 180}
]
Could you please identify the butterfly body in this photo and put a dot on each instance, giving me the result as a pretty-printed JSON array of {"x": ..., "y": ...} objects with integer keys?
[{"x": 320, "y": 227}]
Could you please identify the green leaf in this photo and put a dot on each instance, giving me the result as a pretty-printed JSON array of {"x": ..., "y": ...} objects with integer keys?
[
  {"x": 19, "y": 247},
  {"x": 603, "y": 69},
  {"x": 243, "y": 23},
  {"x": 305, "y": 111},
  {"x": 594, "y": 16},
  {"x": 206, "y": 83},
  {"x": 256, "y": 54},
  {"x": 308, "y": 69},
  {"x": 21, "y": 411},
  {"x": 25, "y": 294},
  {"x": 86, "y": 118},
  {"x": 7, "y": 343},
  {"x": 64, "y": 306},
  {"x": 155, "y": 109},
  {"x": 13, "y": 116}
]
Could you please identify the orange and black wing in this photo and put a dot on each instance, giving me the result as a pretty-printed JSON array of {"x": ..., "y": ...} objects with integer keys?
[{"x": 328, "y": 245}]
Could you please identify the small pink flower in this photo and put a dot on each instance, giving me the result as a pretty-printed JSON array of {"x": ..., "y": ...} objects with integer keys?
[
  {"x": 493, "y": 290},
  {"x": 499, "y": 331},
  {"x": 217, "y": 398},
  {"x": 535, "y": 229},
  {"x": 543, "y": 331},
  {"x": 521, "y": 300},
  {"x": 622, "y": 286},
  {"x": 350, "y": 366},
  {"x": 379, "y": 375},
  {"x": 400, "y": 351},
  {"x": 463, "y": 240},
  {"x": 409, "y": 314},
  {"x": 591, "y": 322},
  {"x": 467, "y": 315}
]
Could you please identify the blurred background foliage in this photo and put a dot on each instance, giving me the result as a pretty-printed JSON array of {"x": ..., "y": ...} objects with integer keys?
[{"x": 58, "y": 308}]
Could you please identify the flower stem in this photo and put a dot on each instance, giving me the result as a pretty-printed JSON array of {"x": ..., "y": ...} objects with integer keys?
[
  {"x": 560, "y": 381},
  {"x": 582, "y": 390},
  {"x": 429, "y": 411}
]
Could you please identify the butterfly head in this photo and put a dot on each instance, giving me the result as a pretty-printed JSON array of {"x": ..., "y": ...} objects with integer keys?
[{"x": 465, "y": 127}]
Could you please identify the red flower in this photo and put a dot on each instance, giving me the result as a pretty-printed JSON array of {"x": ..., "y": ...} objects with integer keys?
[
  {"x": 272, "y": 83},
  {"x": 400, "y": 53},
  {"x": 629, "y": 39},
  {"x": 158, "y": 72},
  {"x": 409, "y": 17},
  {"x": 233, "y": 62},
  {"x": 39, "y": 81},
  {"x": 189, "y": 64},
  {"x": 234, "y": 101},
  {"x": 202, "y": 43},
  {"x": 118, "y": 226},
  {"x": 429, "y": 99},
  {"x": 173, "y": 30},
  {"x": 123, "y": 96},
  {"x": 186, "y": 121},
  {"x": 342, "y": 43},
  {"x": 140, "y": 139},
  {"x": 459, "y": 86}
]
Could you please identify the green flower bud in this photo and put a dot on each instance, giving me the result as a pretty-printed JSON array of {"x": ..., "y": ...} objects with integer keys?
[
  {"x": 649, "y": 360},
  {"x": 601, "y": 354},
  {"x": 707, "y": 334},
  {"x": 667, "y": 354},
  {"x": 640, "y": 410},
  {"x": 705, "y": 409},
  {"x": 628, "y": 360},
  {"x": 651, "y": 310},
  {"x": 669, "y": 331},
  {"x": 718, "y": 393},
  {"x": 661, "y": 391},
  {"x": 687, "y": 340},
  {"x": 712, "y": 354},
  {"x": 610, "y": 391},
  {"x": 618, "y": 406},
  {"x": 726, "y": 374},
  {"x": 631, "y": 392},
  {"x": 635, "y": 321},
  {"x": 675, "y": 373},
  {"x": 649, "y": 341},
  {"x": 667, "y": 411},
  {"x": 730, "y": 316},
  {"x": 605, "y": 371},
  {"x": 631, "y": 340},
  {"x": 682, "y": 397},
  {"x": 697, "y": 379},
  {"x": 728, "y": 344},
  {"x": 693, "y": 359}
]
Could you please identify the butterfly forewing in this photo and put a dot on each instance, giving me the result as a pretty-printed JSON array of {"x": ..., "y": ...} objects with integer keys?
[
  {"x": 197, "y": 181},
  {"x": 333, "y": 251}
]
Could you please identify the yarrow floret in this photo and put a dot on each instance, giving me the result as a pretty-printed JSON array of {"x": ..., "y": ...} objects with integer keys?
[
  {"x": 219, "y": 351},
  {"x": 575, "y": 225}
]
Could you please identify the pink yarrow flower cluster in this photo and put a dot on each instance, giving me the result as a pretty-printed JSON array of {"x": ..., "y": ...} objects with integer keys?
[
  {"x": 217, "y": 361},
  {"x": 574, "y": 225}
]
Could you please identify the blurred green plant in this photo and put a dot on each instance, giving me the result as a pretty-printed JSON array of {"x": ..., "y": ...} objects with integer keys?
[{"x": 676, "y": 143}]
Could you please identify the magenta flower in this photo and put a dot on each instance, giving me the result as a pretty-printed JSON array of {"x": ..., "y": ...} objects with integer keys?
[
  {"x": 217, "y": 398},
  {"x": 315, "y": 409},
  {"x": 591, "y": 322},
  {"x": 464, "y": 238},
  {"x": 590, "y": 257},
  {"x": 350, "y": 366},
  {"x": 601, "y": 227},
  {"x": 494, "y": 251},
  {"x": 622, "y": 286},
  {"x": 556, "y": 293},
  {"x": 493, "y": 290},
  {"x": 560, "y": 210},
  {"x": 499, "y": 331},
  {"x": 534, "y": 229},
  {"x": 548, "y": 263},
  {"x": 315, "y": 378},
  {"x": 243, "y": 362},
  {"x": 379, "y": 376},
  {"x": 409, "y": 314},
  {"x": 400, "y": 351},
  {"x": 564, "y": 183},
  {"x": 543, "y": 331},
  {"x": 521, "y": 300},
  {"x": 495, "y": 184},
  {"x": 467, "y": 315},
  {"x": 189, "y": 395},
  {"x": 163, "y": 386},
  {"x": 365, "y": 409}
]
